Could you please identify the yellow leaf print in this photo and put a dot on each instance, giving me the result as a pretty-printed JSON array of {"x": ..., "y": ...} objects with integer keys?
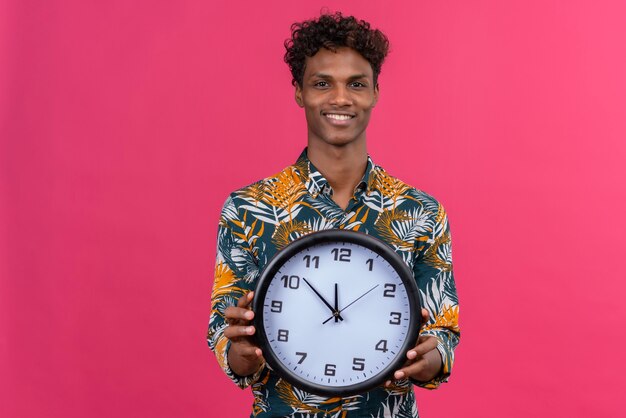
[
  {"x": 384, "y": 226},
  {"x": 294, "y": 399},
  {"x": 254, "y": 191},
  {"x": 289, "y": 231},
  {"x": 447, "y": 318},
  {"x": 389, "y": 186},
  {"x": 260, "y": 403},
  {"x": 302, "y": 169},
  {"x": 431, "y": 256},
  {"x": 220, "y": 347},
  {"x": 224, "y": 280},
  {"x": 440, "y": 214},
  {"x": 284, "y": 190}
]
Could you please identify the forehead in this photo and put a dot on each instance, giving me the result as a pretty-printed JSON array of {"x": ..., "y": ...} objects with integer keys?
[{"x": 343, "y": 63}]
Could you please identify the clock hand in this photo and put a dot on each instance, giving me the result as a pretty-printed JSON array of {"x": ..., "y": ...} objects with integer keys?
[
  {"x": 336, "y": 305},
  {"x": 349, "y": 304},
  {"x": 333, "y": 310}
]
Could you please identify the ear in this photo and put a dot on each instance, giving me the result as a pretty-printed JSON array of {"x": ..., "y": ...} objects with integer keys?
[
  {"x": 376, "y": 91},
  {"x": 299, "y": 95}
]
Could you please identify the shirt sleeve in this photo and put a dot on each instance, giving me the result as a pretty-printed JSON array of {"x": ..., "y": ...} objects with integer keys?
[
  {"x": 435, "y": 280},
  {"x": 235, "y": 275}
]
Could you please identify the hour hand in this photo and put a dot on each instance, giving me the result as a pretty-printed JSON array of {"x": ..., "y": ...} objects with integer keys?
[{"x": 333, "y": 310}]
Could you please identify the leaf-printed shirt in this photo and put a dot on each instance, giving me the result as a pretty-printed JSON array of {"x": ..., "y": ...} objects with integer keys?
[{"x": 259, "y": 220}]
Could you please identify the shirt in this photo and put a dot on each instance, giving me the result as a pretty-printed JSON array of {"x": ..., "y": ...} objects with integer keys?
[{"x": 259, "y": 220}]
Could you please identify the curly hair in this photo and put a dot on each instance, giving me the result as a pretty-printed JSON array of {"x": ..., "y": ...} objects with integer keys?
[{"x": 332, "y": 31}]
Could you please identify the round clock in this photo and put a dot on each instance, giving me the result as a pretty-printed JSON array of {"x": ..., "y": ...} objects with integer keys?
[{"x": 335, "y": 312}]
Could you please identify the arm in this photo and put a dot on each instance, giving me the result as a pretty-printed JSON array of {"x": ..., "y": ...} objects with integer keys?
[
  {"x": 229, "y": 335},
  {"x": 430, "y": 362}
]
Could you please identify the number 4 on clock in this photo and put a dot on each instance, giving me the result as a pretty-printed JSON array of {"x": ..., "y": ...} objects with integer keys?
[{"x": 382, "y": 346}]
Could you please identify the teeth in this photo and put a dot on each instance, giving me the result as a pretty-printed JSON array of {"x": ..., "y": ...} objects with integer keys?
[{"x": 338, "y": 117}]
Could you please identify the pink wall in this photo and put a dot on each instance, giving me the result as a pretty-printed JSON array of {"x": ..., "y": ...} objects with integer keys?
[{"x": 124, "y": 125}]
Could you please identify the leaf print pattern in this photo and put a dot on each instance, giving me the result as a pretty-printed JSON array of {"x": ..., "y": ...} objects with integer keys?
[
  {"x": 401, "y": 229},
  {"x": 287, "y": 232},
  {"x": 260, "y": 393},
  {"x": 224, "y": 280},
  {"x": 439, "y": 253},
  {"x": 259, "y": 220},
  {"x": 448, "y": 317},
  {"x": 304, "y": 402}
]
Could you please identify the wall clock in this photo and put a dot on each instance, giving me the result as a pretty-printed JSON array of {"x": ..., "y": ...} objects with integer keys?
[{"x": 335, "y": 312}]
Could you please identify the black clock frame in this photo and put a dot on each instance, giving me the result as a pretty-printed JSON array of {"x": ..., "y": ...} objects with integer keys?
[{"x": 323, "y": 237}]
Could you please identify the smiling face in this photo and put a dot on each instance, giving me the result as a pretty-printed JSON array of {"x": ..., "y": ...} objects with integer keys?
[{"x": 337, "y": 94}]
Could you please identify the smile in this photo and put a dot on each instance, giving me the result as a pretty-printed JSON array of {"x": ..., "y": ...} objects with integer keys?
[{"x": 338, "y": 117}]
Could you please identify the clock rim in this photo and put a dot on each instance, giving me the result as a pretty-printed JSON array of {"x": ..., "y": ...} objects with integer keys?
[{"x": 320, "y": 237}]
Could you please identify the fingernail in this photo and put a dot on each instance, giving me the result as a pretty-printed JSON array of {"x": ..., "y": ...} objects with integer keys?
[
  {"x": 250, "y": 330},
  {"x": 398, "y": 375},
  {"x": 249, "y": 315},
  {"x": 388, "y": 382},
  {"x": 411, "y": 354}
]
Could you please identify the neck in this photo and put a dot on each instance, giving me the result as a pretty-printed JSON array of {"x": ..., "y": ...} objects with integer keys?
[{"x": 342, "y": 166}]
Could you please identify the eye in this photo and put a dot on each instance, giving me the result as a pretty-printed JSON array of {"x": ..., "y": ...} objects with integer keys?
[
  {"x": 357, "y": 84},
  {"x": 321, "y": 84}
]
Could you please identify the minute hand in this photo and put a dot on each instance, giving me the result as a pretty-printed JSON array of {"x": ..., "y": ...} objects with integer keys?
[
  {"x": 351, "y": 303},
  {"x": 335, "y": 313}
]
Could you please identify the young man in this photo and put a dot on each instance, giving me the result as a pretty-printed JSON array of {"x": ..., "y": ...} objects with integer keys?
[{"x": 335, "y": 62}]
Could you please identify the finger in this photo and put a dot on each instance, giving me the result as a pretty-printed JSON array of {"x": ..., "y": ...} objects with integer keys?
[
  {"x": 237, "y": 313},
  {"x": 411, "y": 370},
  {"x": 259, "y": 353},
  {"x": 236, "y": 331},
  {"x": 425, "y": 316},
  {"x": 245, "y": 300},
  {"x": 251, "y": 352},
  {"x": 424, "y": 345}
]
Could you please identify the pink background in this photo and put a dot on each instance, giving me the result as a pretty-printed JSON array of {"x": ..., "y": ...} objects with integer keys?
[{"x": 125, "y": 124}]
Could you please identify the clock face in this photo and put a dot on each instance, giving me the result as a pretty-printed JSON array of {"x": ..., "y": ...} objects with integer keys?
[{"x": 336, "y": 312}]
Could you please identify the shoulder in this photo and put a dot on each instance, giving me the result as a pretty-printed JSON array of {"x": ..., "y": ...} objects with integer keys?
[
  {"x": 288, "y": 177},
  {"x": 392, "y": 187}
]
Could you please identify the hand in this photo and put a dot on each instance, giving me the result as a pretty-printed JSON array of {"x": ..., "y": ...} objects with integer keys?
[
  {"x": 244, "y": 357},
  {"x": 350, "y": 304},
  {"x": 423, "y": 361},
  {"x": 333, "y": 310}
]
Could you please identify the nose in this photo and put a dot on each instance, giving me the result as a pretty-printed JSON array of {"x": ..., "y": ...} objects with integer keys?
[{"x": 341, "y": 96}]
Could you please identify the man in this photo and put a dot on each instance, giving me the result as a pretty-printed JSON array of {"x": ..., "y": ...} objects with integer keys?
[{"x": 335, "y": 62}]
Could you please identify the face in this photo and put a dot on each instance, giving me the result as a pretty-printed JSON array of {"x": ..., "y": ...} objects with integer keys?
[{"x": 337, "y": 94}]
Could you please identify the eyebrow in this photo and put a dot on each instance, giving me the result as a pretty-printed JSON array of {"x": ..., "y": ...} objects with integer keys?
[{"x": 329, "y": 77}]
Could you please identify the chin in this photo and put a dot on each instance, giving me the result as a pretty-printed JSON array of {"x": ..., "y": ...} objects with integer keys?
[{"x": 341, "y": 140}]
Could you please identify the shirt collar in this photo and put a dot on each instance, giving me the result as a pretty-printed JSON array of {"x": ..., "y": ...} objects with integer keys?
[{"x": 316, "y": 183}]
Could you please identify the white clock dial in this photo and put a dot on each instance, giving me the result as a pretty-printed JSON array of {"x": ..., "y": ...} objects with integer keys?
[{"x": 337, "y": 314}]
